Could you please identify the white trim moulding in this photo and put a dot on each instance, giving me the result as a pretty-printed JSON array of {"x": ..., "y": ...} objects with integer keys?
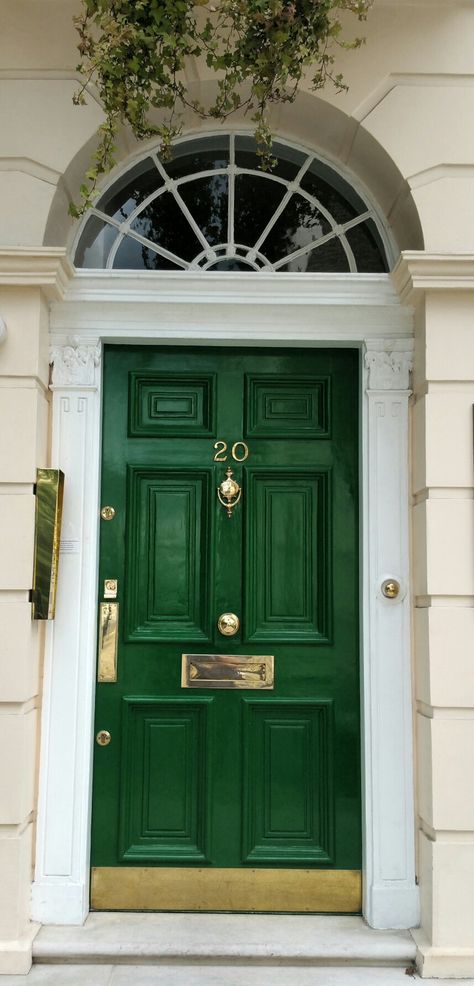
[{"x": 361, "y": 311}]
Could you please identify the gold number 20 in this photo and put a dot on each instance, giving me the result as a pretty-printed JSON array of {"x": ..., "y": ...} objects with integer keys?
[{"x": 221, "y": 454}]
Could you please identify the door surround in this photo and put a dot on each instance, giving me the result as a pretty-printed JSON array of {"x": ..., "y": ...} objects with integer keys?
[{"x": 359, "y": 311}]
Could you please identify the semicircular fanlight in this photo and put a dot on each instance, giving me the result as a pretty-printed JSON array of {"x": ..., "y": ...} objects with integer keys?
[{"x": 211, "y": 208}]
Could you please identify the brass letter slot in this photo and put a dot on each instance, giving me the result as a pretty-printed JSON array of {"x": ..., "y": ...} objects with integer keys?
[
  {"x": 227, "y": 671},
  {"x": 108, "y": 641}
]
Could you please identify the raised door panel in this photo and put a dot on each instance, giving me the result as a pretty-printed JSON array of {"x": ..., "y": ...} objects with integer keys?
[
  {"x": 288, "y": 811},
  {"x": 165, "y": 771},
  {"x": 288, "y": 575},
  {"x": 168, "y": 536},
  {"x": 286, "y": 406},
  {"x": 165, "y": 405}
]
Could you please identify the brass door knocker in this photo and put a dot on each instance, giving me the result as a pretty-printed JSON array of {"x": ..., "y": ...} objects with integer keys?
[{"x": 229, "y": 492}]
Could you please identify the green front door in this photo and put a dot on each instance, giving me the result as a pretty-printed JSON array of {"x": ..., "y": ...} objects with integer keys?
[{"x": 227, "y": 766}]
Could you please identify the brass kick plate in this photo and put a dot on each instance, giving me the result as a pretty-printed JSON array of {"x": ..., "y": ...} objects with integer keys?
[
  {"x": 108, "y": 641},
  {"x": 161, "y": 888},
  {"x": 227, "y": 671}
]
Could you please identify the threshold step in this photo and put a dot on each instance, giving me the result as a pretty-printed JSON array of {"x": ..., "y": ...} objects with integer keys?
[{"x": 234, "y": 939}]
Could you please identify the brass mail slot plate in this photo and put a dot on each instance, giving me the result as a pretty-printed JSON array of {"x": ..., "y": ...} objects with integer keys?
[
  {"x": 227, "y": 671},
  {"x": 108, "y": 641}
]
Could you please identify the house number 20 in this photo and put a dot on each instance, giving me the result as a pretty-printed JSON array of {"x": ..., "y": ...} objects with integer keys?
[{"x": 239, "y": 451}]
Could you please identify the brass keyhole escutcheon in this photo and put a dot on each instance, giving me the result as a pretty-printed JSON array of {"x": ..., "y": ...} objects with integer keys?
[
  {"x": 103, "y": 737},
  {"x": 390, "y": 588},
  {"x": 228, "y": 624},
  {"x": 107, "y": 513},
  {"x": 110, "y": 588}
]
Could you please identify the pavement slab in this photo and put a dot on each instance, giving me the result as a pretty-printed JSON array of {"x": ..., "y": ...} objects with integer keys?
[{"x": 204, "y": 974}]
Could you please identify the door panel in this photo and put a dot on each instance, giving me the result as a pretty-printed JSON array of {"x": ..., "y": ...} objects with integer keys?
[
  {"x": 169, "y": 405},
  {"x": 164, "y": 749},
  {"x": 230, "y": 798},
  {"x": 293, "y": 407},
  {"x": 288, "y": 809},
  {"x": 167, "y": 548},
  {"x": 287, "y": 573}
]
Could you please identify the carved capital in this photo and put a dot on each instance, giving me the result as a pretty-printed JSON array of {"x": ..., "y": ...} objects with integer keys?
[
  {"x": 389, "y": 363},
  {"x": 74, "y": 365},
  {"x": 3, "y": 330}
]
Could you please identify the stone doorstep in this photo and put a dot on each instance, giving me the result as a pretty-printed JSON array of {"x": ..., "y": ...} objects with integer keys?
[{"x": 216, "y": 939}]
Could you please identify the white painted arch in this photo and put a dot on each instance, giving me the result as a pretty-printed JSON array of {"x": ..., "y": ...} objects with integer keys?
[
  {"x": 361, "y": 311},
  {"x": 311, "y": 123}
]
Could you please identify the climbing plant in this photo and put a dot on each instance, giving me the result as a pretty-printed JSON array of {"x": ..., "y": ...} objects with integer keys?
[{"x": 136, "y": 52}]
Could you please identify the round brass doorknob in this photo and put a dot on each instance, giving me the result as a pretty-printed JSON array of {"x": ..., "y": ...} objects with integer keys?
[
  {"x": 103, "y": 737},
  {"x": 390, "y": 588},
  {"x": 228, "y": 624},
  {"x": 107, "y": 513}
]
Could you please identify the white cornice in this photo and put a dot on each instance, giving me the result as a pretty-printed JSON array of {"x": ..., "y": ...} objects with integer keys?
[
  {"x": 44, "y": 267},
  {"x": 154, "y": 304},
  {"x": 416, "y": 272},
  {"x": 238, "y": 307},
  {"x": 234, "y": 288}
]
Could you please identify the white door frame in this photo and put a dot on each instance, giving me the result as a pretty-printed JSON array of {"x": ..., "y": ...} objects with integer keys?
[{"x": 356, "y": 310}]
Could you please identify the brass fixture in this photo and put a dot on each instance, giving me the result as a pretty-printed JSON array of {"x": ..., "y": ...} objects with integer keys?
[
  {"x": 48, "y": 515},
  {"x": 248, "y": 671},
  {"x": 229, "y": 492},
  {"x": 103, "y": 737},
  {"x": 228, "y": 624},
  {"x": 213, "y": 889},
  {"x": 108, "y": 642},
  {"x": 107, "y": 513},
  {"x": 110, "y": 588},
  {"x": 390, "y": 588}
]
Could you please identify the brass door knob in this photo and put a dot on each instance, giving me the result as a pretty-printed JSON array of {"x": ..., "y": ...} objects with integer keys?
[
  {"x": 228, "y": 624},
  {"x": 103, "y": 737},
  {"x": 107, "y": 513},
  {"x": 391, "y": 588}
]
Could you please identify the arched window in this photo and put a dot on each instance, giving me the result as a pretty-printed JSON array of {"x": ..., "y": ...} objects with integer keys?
[{"x": 211, "y": 208}]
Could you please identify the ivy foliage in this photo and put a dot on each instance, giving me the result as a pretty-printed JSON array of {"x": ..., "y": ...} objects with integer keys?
[{"x": 136, "y": 52}]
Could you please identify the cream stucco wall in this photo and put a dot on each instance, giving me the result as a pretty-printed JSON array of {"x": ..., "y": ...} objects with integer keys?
[
  {"x": 443, "y": 529},
  {"x": 404, "y": 129},
  {"x": 24, "y": 408}
]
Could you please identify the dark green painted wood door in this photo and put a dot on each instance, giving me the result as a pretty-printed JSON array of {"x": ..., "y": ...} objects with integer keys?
[{"x": 229, "y": 779}]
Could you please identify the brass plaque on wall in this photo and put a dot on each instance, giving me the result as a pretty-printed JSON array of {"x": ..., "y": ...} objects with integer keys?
[
  {"x": 49, "y": 504},
  {"x": 227, "y": 671}
]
